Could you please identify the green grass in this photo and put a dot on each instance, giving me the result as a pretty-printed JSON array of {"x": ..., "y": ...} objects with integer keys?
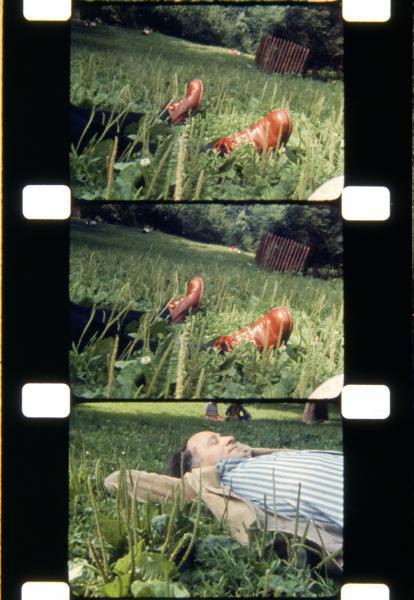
[
  {"x": 107, "y": 436},
  {"x": 114, "y": 67},
  {"x": 120, "y": 267}
]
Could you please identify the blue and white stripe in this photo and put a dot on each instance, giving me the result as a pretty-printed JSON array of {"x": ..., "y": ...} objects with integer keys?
[{"x": 273, "y": 479}]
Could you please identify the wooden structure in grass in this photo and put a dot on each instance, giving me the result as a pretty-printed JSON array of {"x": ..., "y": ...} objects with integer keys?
[
  {"x": 276, "y": 55},
  {"x": 276, "y": 253}
]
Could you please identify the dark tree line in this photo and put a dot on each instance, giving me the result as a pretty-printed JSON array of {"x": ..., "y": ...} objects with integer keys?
[
  {"x": 236, "y": 225},
  {"x": 320, "y": 228},
  {"x": 317, "y": 28}
]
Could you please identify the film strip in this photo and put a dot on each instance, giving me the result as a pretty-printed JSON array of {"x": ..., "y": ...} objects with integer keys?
[{"x": 376, "y": 284}]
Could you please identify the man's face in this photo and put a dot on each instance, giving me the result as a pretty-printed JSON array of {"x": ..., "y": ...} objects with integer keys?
[{"x": 208, "y": 447}]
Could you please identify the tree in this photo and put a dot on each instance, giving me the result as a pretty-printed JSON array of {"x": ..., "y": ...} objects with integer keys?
[
  {"x": 317, "y": 28},
  {"x": 319, "y": 227},
  {"x": 228, "y": 26},
  {"x": 315, "y": 412}
]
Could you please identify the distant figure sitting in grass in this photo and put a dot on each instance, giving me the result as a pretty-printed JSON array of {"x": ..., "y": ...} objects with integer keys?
[
  {"x": 299, "y": 493},
  {"x": 89, "y": 126},
  {"x": 237, "y": 411},
  {"x": 89, "y": 324},
  {"x": 212, "y": 412}
]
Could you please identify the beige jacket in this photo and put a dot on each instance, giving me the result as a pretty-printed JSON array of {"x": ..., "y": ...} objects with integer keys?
[{"x": 238, "y": 513}]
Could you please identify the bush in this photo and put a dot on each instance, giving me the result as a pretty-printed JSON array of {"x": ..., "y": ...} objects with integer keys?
[{"x": 320, "y": 30}]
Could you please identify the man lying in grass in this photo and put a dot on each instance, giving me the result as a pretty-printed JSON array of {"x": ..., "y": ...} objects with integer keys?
[
  {"x": 89, "y": 126},
  {"x": 89, "y": 324},
  {"x": 298, "y": 493}
]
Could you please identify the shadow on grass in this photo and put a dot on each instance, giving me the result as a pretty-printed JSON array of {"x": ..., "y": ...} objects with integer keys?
[
  {"x": 148, "y": 439},
  {"x": 268, "y": 411}
]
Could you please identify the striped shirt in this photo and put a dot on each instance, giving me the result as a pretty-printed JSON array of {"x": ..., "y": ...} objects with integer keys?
[{"x": 272, "y": 482}]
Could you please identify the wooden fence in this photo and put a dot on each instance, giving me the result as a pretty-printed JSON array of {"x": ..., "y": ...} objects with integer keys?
[
  {"x": 280, "y": 56},
  {"x": 277, "y": 253}
]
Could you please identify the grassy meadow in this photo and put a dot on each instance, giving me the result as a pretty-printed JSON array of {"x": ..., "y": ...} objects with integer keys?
[
  {"x": 121, "y": 69},
  {"x": 123, "y": 268},
  {"x": 108, "y": 436}
]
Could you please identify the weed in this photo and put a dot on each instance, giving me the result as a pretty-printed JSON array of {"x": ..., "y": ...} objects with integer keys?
[{"x": 104, "y": 75}]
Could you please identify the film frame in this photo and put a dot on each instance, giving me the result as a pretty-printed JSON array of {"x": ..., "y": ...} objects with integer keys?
[{"x": 376, "y": 282}]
